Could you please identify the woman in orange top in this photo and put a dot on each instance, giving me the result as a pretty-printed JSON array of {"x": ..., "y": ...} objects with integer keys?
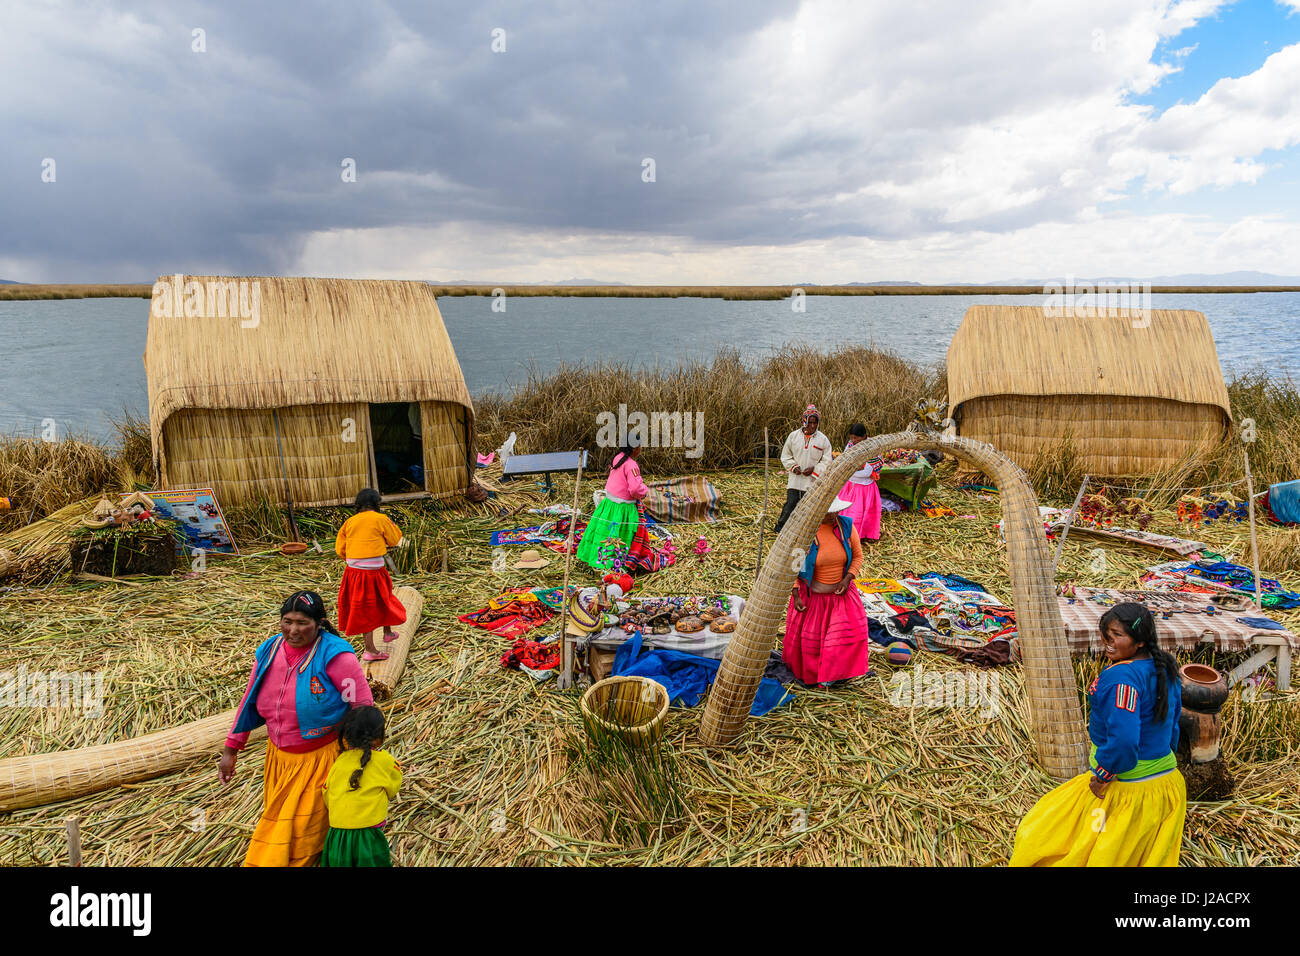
[
  {"x": 366, "y": 599},
  {"x": 826, "y": 633}
]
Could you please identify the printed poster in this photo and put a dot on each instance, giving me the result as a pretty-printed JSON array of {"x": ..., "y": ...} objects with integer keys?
[{"x": 198, "y": 517}]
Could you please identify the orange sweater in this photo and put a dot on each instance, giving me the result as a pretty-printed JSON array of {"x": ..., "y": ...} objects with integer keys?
[
  {"x": 830, "y": 566},
  {"x": 367, "y": 534}
]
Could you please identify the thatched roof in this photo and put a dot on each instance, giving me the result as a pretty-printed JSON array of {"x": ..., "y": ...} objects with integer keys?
[
  {"x": 316, "y": 341},
  {"x": 1020, "y": 350}
]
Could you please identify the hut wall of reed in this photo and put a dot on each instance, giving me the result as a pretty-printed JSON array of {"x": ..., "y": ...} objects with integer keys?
[
  {"x": 1056, "y": 719},
  {"x": 306, "y": 369},
  {"x": 1133, "y": 395}
]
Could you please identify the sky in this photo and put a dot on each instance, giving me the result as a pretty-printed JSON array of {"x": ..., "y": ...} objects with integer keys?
[{"x": 681, "y": 142}]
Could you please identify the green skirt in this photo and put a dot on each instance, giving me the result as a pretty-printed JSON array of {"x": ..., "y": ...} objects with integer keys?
[
  {"x": 612, "y": 519},
  {"x": 366, "y": 846}
]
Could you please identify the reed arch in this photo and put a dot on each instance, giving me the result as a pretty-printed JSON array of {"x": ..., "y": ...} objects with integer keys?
[{"x": 1056, "y": 720}]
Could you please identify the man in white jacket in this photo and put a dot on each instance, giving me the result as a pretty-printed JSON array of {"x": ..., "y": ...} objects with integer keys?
[{"x": 805, "y": 453}]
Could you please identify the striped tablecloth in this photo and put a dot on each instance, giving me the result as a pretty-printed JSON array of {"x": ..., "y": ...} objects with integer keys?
[{"x": 1187, "y": 627}]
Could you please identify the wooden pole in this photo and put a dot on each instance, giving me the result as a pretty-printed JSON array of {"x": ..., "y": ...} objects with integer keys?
[
  {"x": 565, "y": 679},
  {"x": 73, "y": 825},
  {"x": 1254, "y": 543},
  {"x": 1069, "y": 520},
  {"x": 762, "y": 518}
]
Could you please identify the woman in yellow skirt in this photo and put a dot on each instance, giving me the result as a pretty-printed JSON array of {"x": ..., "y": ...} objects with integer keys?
[
  {"x": 304, "y": 681},
  {"x": 1128, "y": 809}
]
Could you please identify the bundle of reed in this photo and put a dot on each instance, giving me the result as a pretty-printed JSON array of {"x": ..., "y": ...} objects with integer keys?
[
  {"x": 40, "y": 549},
  {"x": 49, "y": 778}
]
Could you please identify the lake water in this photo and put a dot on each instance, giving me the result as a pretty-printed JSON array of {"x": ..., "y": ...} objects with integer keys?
[{"x": 79, "y": 361}]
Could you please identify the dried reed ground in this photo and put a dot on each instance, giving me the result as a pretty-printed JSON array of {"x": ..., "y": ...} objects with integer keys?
[{"x": 497, "y": 771}]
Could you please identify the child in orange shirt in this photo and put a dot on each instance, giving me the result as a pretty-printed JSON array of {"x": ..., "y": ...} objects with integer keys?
[{"x": 366, "y": 599}]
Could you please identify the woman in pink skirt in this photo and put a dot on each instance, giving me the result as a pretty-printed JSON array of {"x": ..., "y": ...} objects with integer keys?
[
  {"x": 861, "y": 492},
  {"x": 826, "y": 635}
]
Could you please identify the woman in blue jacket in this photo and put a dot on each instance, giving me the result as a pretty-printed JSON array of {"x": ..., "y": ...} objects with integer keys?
[{"x": 1128, "y": 809}]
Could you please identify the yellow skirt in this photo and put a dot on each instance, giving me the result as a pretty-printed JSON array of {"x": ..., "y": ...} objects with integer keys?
[
  {"x": 1137, "y": 824},
  {"x": 294, "y": 819}
]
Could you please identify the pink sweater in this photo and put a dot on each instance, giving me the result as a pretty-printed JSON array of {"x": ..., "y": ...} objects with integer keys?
[
  {"x": 276, "y": 698},
  {"x": 625, "y": 482}
]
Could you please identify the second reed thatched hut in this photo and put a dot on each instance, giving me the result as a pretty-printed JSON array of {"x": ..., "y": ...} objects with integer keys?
[
  {"x": 1134, "y": 395},
  {"x": 328, "y": 385}
]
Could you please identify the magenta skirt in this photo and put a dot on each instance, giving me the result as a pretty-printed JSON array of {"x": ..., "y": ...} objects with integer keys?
[
  {"x": 864, "y": 508},
  {"x": 829, "y": 641}
]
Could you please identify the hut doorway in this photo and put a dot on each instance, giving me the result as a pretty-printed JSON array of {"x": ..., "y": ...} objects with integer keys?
[{"x": 398, "y": 444}]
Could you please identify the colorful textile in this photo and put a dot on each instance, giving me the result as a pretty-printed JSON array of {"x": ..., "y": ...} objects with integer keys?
[
  {"x": 611, "y": 519},
  {"x": 291, "y": 831},
  {"x": 367, "y": 806},
  {"x": 367, "y": 601},
  {"x": 367, "y": 534},
  {"x": 357, "y": 847},
  {"x": 1143, "y": 824},
  {"x": 547, "y": 533},
  {"x": 510, "y": 614},
  {"x": 829, "y": 640},
  {"x": 687, "y": 677},
  {"x": 1221, "y": 574},
  {"x": 308, "y": 716},
  {"x": 532, "y": 655},
  {"x": 864, "y": 508},
  {"x": 682, "y": 499}
]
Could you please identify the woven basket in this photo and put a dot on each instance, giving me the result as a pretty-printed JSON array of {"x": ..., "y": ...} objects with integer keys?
[{"x": 632, "y": 709}]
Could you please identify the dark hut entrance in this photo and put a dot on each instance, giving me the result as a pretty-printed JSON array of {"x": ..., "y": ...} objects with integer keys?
[{"x": 398, "y": 448}]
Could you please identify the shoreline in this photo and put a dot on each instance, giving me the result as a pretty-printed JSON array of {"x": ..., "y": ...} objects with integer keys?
[{"x": 19, "y": 292}]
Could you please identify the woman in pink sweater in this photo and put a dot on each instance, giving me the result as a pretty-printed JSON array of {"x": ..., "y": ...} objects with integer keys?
[
  {"x": 303, "y": 681},
  {"x": 619, "y": 513}
]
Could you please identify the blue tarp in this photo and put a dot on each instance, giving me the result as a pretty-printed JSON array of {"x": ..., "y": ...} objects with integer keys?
[
  {"x": 686, "y": 677},
  {"x": 1284, "y": 501}
]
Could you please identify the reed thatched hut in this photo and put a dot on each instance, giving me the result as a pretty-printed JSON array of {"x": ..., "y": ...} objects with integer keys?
[
  {"x": 1135, "y": 395},
  {"x": 336, "y": 384}
]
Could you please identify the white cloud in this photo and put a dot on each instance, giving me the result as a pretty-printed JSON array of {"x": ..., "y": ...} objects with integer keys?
[{"x": 1125, "y": 246}]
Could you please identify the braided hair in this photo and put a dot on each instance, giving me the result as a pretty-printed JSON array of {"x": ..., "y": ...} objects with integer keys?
[
  {"x": 311, "y": 604},
  {"x": 360, "y": 728},
  {"x": 1138, "y": 621}
]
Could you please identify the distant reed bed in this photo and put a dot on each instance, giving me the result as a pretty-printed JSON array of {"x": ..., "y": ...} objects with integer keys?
[
  {"x": 736, "y": 399},
  {"x": 729, "y": 292}
]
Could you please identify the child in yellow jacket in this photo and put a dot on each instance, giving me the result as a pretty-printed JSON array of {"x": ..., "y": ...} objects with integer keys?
[
  {"x": 360, "y": 784},
  {"x": 366, "y": 599}
]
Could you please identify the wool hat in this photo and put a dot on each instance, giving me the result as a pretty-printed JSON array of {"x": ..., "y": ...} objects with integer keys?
[
  {"x": 811, "y": 412},
  {"x": 839, "y": 504},
  {"x": 532, "y": 558}
]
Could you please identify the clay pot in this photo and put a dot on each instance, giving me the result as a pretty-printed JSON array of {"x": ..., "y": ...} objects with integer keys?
[
  {"x": 1204, "y": 692},
  {"x": 1204, "y": 689}
]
